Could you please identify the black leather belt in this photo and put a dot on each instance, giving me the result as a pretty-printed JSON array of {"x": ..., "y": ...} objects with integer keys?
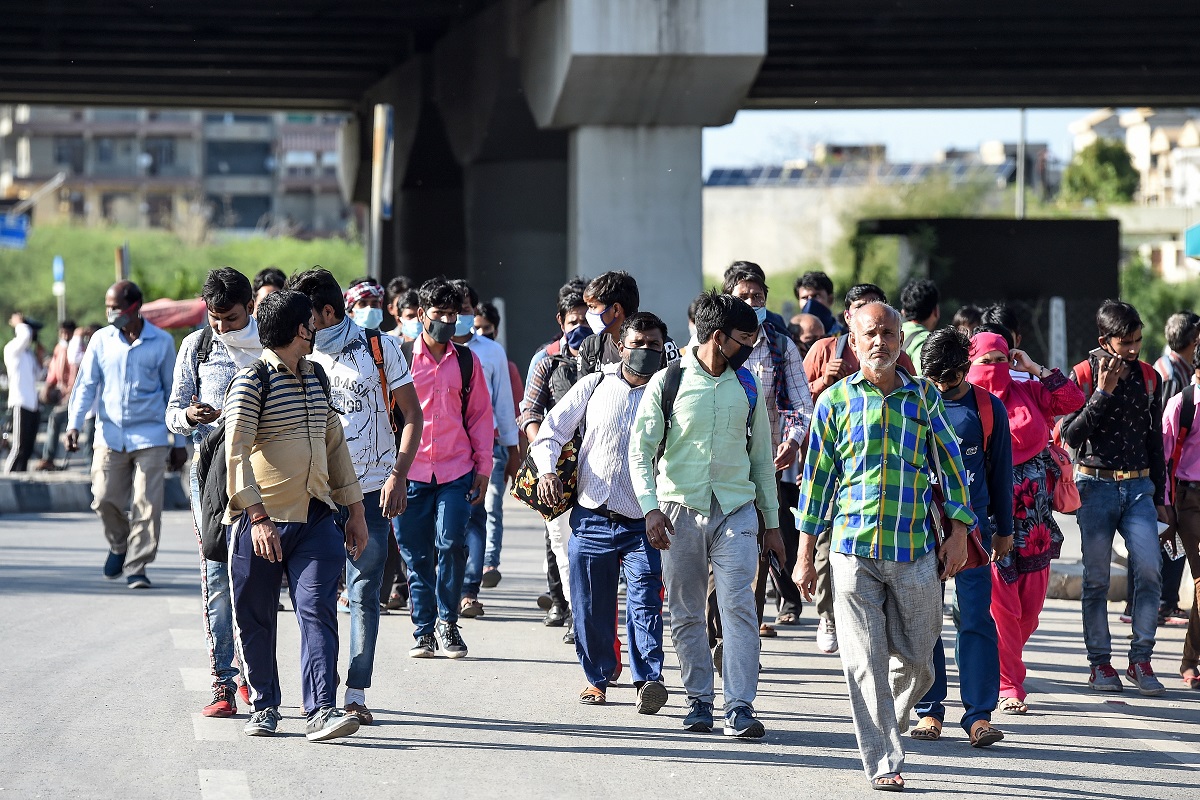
[
  {"x": 613, "y": 516},
  {"x": 1188, "y": 484}
]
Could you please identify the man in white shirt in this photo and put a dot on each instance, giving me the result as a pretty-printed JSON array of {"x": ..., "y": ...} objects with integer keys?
[
  {"x": 368, "y": 376},
  {"x": 21, "y": 363},
  {"x": 608, "y": 528},
  {"x": 485, "y": 531}
]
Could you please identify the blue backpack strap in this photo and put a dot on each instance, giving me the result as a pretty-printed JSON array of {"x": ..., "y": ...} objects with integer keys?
[{"x": 750, "y": 386}]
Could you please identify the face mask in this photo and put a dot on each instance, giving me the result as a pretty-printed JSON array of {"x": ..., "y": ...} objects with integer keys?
[
  {"x": 596, "y": 321},
  {"x": 411, "y": 328},
  {"x": 332, "y": 340},
  {"x": 463, "y": 326},
  {"x": 996, "y": 378},
  {"x": 739, "y": 357},
  {"x": 121, "y": 319},
  {"x": 440, "y": 332},
  {"x": 761, "y": 314},
  {"x": 243, "y": 339},
  {"x": 368, "y": 317},
  {"x": 576, "y": 335},
  {"x": 642, "y": 361},
  {"x": 311, "y": 340}
]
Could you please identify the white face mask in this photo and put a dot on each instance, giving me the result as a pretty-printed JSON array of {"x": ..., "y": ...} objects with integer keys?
[{"x": 243, "y": 345}]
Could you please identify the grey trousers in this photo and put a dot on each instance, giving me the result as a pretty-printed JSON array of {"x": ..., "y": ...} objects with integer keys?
[
  {"x": 885, "y": 610},
  {"x": 729, "y": 542},
  {"x": 823, "y": 594},
  {"x": 134, "y": 478}
]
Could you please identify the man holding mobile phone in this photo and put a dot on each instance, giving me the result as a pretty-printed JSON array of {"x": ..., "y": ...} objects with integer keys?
[{"x": 1121, "y": 476}]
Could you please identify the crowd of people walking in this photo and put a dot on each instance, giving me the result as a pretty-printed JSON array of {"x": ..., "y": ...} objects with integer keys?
[{"x": 857, "y": 460}]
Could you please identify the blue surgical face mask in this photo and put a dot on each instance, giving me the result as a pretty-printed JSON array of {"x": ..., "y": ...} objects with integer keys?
[
  {"x": 761, "y": 313},
  {"x": 464, "y": 325},
  {"x": 575, "y": 336},
  {"x": 411, "y": 328},
  {"x": 368, "y": 317}
]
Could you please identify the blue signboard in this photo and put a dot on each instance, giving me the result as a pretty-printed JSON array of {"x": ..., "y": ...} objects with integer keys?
[
  {"x": 1191, "y": 242},
  {"x": 14, "y": 231},
  {"x": 60, "y": 272}
]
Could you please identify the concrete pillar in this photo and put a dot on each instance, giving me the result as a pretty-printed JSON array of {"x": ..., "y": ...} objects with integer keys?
[
  {"x": 635, "y": 205},
  {"x": 635, "y": 81}
]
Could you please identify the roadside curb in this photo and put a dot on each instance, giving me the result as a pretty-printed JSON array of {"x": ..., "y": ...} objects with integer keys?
[{"x": 44, "y": 493}]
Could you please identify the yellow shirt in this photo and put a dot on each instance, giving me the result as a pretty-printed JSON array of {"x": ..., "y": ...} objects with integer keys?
[{"x": 295, "y": 453}]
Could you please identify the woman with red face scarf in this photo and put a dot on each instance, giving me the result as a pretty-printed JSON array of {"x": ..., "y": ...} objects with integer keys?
[{"x": 1019, "y": 580}]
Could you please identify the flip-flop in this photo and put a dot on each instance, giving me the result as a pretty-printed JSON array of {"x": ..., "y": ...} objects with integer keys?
[
  {"x": 787, "y": 618},
  {"x": 983, "y": 734},
  {"x": 1192, "y": 681},
  {"x": 892, "y": 782},
  {"x": 929, "y": 729},
  {"x": 591, "y": 696},
  {"x": 1011, "y": 705}
]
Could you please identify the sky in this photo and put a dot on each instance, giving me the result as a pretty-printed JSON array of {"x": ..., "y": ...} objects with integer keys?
[{"x": 757, "y": 138}]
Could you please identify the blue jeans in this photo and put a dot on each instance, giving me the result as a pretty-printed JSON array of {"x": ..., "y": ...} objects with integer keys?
[
  {"x": 975, "y": 651},
  {"x": 599, "y": 548},
  {"x": 432, "y": 537},
  {"x": 1126, "y": 507},
  {"x": 485, "y": 530},
  {"x": 363, "y": 579},
  {"x": 218, "y": 608}
]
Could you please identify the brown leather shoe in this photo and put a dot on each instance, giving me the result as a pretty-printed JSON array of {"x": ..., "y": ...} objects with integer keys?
[{"x": 362, "y": 712}]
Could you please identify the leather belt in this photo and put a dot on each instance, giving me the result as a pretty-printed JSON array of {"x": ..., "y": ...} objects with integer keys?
[
  {"x": 613, "y": 516},
  {"x": 1114, "y": 474},
  {"x": 1188, "y": 484}
]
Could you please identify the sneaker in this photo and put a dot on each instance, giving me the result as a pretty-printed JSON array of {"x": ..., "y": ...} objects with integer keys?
[
  {"x": 651, "y": 697},
  {"x": 741, "y": 723},
  {"x": 470, "y": 608},
  {"x": 244, "y": 693},
  {"x": 827, "y": 636},
  {"x": 223, "y": 703},
  {"x": 343, "y": 604},
  {"x": 451, "y": 640},
  {"x": 1105, "y": 679},
  {"x": 263, "y": 723},
  {"x": 719, "y": 658},
  {"x": 491, "y": 578},
  {"x": 700, "y": 716},
  {"x": 138, "y": 581},
  {"x": 545, "y": 601},
  {"x": 1142, "y": 676},
  {"x": 425, "y": 647},
  {"x": 113, "y": 565},
  {"x": 1172, "y": 616},
  {"x": 569, "y": 636},
  {"x": 331, "y": 723},
  {"x": 556, "y": 617}
]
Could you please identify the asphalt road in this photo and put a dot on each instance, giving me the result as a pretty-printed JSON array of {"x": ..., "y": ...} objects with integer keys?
[{"x": 105, "y": 685}]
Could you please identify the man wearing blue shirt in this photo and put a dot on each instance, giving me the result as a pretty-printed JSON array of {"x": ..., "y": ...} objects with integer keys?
[
  {"x": 945, "y": 358},
  {"x": 129, "y": 365}
]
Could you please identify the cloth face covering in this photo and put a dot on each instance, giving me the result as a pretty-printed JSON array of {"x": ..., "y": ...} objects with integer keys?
[{"x": 243, "y": 345}]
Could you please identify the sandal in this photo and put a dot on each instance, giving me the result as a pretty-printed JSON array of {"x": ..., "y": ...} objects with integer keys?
[
  {"x": 470, "y": 608},
  {"x": 929, "y": 729},
  {"x": 1192, "y": 679},
  {"x": 591, "y": 696},
  {"x": 787, "y": 618},
  {"x": 1011, "y": 705},
  {"x": 892, "y": 782},
  {"x": 983, "y": 734},
  {"x": 765, "y": 631}
]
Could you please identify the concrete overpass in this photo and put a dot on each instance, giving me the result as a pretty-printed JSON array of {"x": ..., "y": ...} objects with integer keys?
[{"x": 537, "y": 139}]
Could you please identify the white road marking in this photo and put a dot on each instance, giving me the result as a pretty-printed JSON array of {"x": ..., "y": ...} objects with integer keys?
[
  {"x": 214, "y": 729},
  {"x": 188, "y": 638},
  {"x": 184, "y": 605},
  {"x": 224, "y": 784},
  {"x": 196, "y": 679}
]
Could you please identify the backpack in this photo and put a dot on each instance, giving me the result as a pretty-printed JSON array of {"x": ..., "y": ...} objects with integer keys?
[
  {"x": 1083, "y": 375},
  {"x": 466, "y": 370},
  {"x": 212, "y": 470},
  {"x": 395, "y": 415},
  {"x": 563, "y": 375},
  {"x": 674, "y": 374}
]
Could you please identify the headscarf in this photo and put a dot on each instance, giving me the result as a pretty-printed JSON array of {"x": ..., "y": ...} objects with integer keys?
[
  {"x": 361, "y": 291},
  {"x": 1027, "y": 420}
]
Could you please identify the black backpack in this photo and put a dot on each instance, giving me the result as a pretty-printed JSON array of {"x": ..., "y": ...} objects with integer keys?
[
  {"x": 212, "y": 470},
  {"x": 466, "y": 369},
  {"x": 564, "y": 373}
]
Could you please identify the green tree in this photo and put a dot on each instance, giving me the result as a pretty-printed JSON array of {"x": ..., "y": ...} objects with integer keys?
[{"x": 1102, "y": 172}]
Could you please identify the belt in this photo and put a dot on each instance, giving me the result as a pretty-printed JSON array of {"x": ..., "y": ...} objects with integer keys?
[
  {"x": 613, "y": 516},
  {"x": 1114, "y": 474},
  {"x": 1188, "y": 484}
]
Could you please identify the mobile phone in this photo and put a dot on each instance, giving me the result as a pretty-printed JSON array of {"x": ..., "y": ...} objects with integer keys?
[{"x": 1100, "y": 353}]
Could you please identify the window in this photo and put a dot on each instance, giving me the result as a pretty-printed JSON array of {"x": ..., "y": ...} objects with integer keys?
[
  {"x": 68, "y": 152},
  {"x": 238, "y": 158},
  {"x": 104, "y": 150},
  {"x": 161, "y": 152}
]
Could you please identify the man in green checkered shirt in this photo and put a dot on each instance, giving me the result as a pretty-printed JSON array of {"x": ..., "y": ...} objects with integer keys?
[{"x": 869, "y": 459}]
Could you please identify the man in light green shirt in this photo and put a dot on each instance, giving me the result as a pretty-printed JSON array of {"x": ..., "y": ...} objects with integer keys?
[
  {"x": 699, "y": 500},
  {"x": 919, "y": 303}
]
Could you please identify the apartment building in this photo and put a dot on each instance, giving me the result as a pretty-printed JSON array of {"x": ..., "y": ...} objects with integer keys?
[{"x": 273, "y": 172}]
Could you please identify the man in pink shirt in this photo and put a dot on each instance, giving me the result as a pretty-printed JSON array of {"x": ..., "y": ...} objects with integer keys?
[
  {"x": 449, "y": 474},
  {"x": 1182, "y": 450}
]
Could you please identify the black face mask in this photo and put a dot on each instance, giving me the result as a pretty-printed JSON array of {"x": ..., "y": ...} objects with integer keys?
[
  {"x": 736, "y": 360},
  {"x": 440, "y": 332},
  {"x": 642, "y": 361}
]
